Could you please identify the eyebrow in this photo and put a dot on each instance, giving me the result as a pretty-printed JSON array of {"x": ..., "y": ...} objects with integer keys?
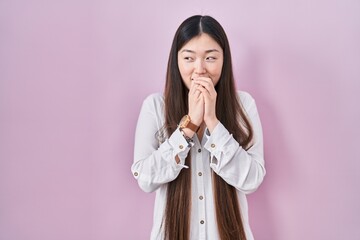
[{"x": 207, "y": 51}]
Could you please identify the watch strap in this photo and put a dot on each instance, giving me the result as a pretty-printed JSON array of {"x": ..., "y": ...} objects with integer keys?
[{"x": 192, "y": 126}]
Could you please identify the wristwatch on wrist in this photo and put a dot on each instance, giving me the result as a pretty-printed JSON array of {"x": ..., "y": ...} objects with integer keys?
[{"x": 185, "y": 122}]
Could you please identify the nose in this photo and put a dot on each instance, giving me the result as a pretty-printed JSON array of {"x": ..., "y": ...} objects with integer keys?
[{"x": 200, "y": 67}]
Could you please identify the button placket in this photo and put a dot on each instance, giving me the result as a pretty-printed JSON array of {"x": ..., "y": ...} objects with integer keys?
[{"x": 200, "y": 164}]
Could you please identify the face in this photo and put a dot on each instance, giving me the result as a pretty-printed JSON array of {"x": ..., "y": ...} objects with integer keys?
[{"x": 202, "y": 56}]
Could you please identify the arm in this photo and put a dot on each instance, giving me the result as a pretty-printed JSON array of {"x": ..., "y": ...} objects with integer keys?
[
  {"x": 243, "y": 169},
  {"x": 155, "y": 164}
]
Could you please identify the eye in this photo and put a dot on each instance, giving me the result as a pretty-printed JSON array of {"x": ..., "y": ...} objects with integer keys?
[
  {"x": 210, "y": 59},
  {"x": 188, "y": 59}
]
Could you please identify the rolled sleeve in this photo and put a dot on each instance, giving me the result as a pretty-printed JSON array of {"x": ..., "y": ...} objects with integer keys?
[
  {"x": 221, "y": 145},
  {"x": 180, "y": 147}
]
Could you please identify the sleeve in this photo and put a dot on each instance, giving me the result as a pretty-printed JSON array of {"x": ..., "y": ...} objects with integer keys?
[
  {"x": 243, "y": 169},
  {"x": 155, "y": 164}
]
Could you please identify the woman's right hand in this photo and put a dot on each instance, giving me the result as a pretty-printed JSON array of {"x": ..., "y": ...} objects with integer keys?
[{"x": 196, "y": 104}]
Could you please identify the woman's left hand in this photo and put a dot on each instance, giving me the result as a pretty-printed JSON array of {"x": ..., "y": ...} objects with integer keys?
[{"x": 209, "y": 94}]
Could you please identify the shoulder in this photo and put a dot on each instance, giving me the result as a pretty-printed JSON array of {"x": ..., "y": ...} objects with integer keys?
[
  {"x": 154, "y": 97},
  {"x": 245, "y": 98},
  {"x": 248, "y": 103},
  {"x": 154, "y": 101}
]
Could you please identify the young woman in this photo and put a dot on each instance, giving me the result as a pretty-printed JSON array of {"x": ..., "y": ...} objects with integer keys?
[{"x": 199, "y": 145}]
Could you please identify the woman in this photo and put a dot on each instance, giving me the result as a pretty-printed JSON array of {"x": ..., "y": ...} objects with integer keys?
[{"x": 199, "y": 145}]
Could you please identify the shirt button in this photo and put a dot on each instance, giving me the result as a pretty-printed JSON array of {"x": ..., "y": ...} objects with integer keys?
[
  {"x": 202, "y": 222},
  {"x": 181, "y": 146},
  {"x": 201, "y": 197},
  {"x": 212, "y": 145},
  {"x": 136, "y": 174},
  {"x": 199, "y": 150},
  {"x": 200, "y": 174}
]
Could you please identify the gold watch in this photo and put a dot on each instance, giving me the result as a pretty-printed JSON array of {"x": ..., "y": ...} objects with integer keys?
[{"x": 186, "y": 123}]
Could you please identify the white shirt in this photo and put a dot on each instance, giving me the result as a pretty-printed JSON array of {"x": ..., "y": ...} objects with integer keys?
[{"x": 155, "y": 165}]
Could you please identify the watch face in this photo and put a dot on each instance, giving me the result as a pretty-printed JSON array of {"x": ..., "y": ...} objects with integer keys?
[{"x": 184, "y": 121}]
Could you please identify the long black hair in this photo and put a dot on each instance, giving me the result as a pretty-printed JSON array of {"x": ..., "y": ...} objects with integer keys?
[{"x": 230, "y": 113}]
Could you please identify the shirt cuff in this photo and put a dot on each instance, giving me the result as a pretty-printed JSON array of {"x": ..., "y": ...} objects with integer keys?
[
  {"x": 180, "y": 147},
  {"x": 219, "y": 142}
]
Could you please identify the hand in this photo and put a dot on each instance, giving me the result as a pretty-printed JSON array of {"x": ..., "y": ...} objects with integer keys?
[
  {"x": 207, "y": 89},
  {"x": 196, "y": 104}
]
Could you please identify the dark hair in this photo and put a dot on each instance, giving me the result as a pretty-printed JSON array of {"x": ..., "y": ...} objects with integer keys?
[{"x": 230, "y": 113}]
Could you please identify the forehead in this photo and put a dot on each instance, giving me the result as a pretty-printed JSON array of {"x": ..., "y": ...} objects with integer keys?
[{"x": 201, "y": 43}]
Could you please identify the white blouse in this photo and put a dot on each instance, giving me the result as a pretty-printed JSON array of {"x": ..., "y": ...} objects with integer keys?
[{"x": 155, "y": 165}]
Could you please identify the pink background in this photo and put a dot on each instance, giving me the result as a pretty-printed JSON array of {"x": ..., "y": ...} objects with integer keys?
[{"x": 73, "y": 75}]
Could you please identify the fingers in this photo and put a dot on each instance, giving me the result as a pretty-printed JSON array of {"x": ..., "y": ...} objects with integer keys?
[
  {"x": 194, "y": 91},
  {"x": 192, "y": 88},
  {"x": 204, "y": 80},
  {"x": 207, "y": 85},
  {"x": 196, "y": 103}
]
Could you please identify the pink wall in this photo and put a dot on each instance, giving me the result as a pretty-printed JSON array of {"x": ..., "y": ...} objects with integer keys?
[{"x": 73, "y": 75}]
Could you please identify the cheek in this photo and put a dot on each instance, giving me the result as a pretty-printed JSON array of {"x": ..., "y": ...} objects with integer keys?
[
  {"x": 184, "y": 70},
  {"x": 216, "y": 73},
  {"x": 185, "y": 75},
  {"x": 216, "y": 70}
]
